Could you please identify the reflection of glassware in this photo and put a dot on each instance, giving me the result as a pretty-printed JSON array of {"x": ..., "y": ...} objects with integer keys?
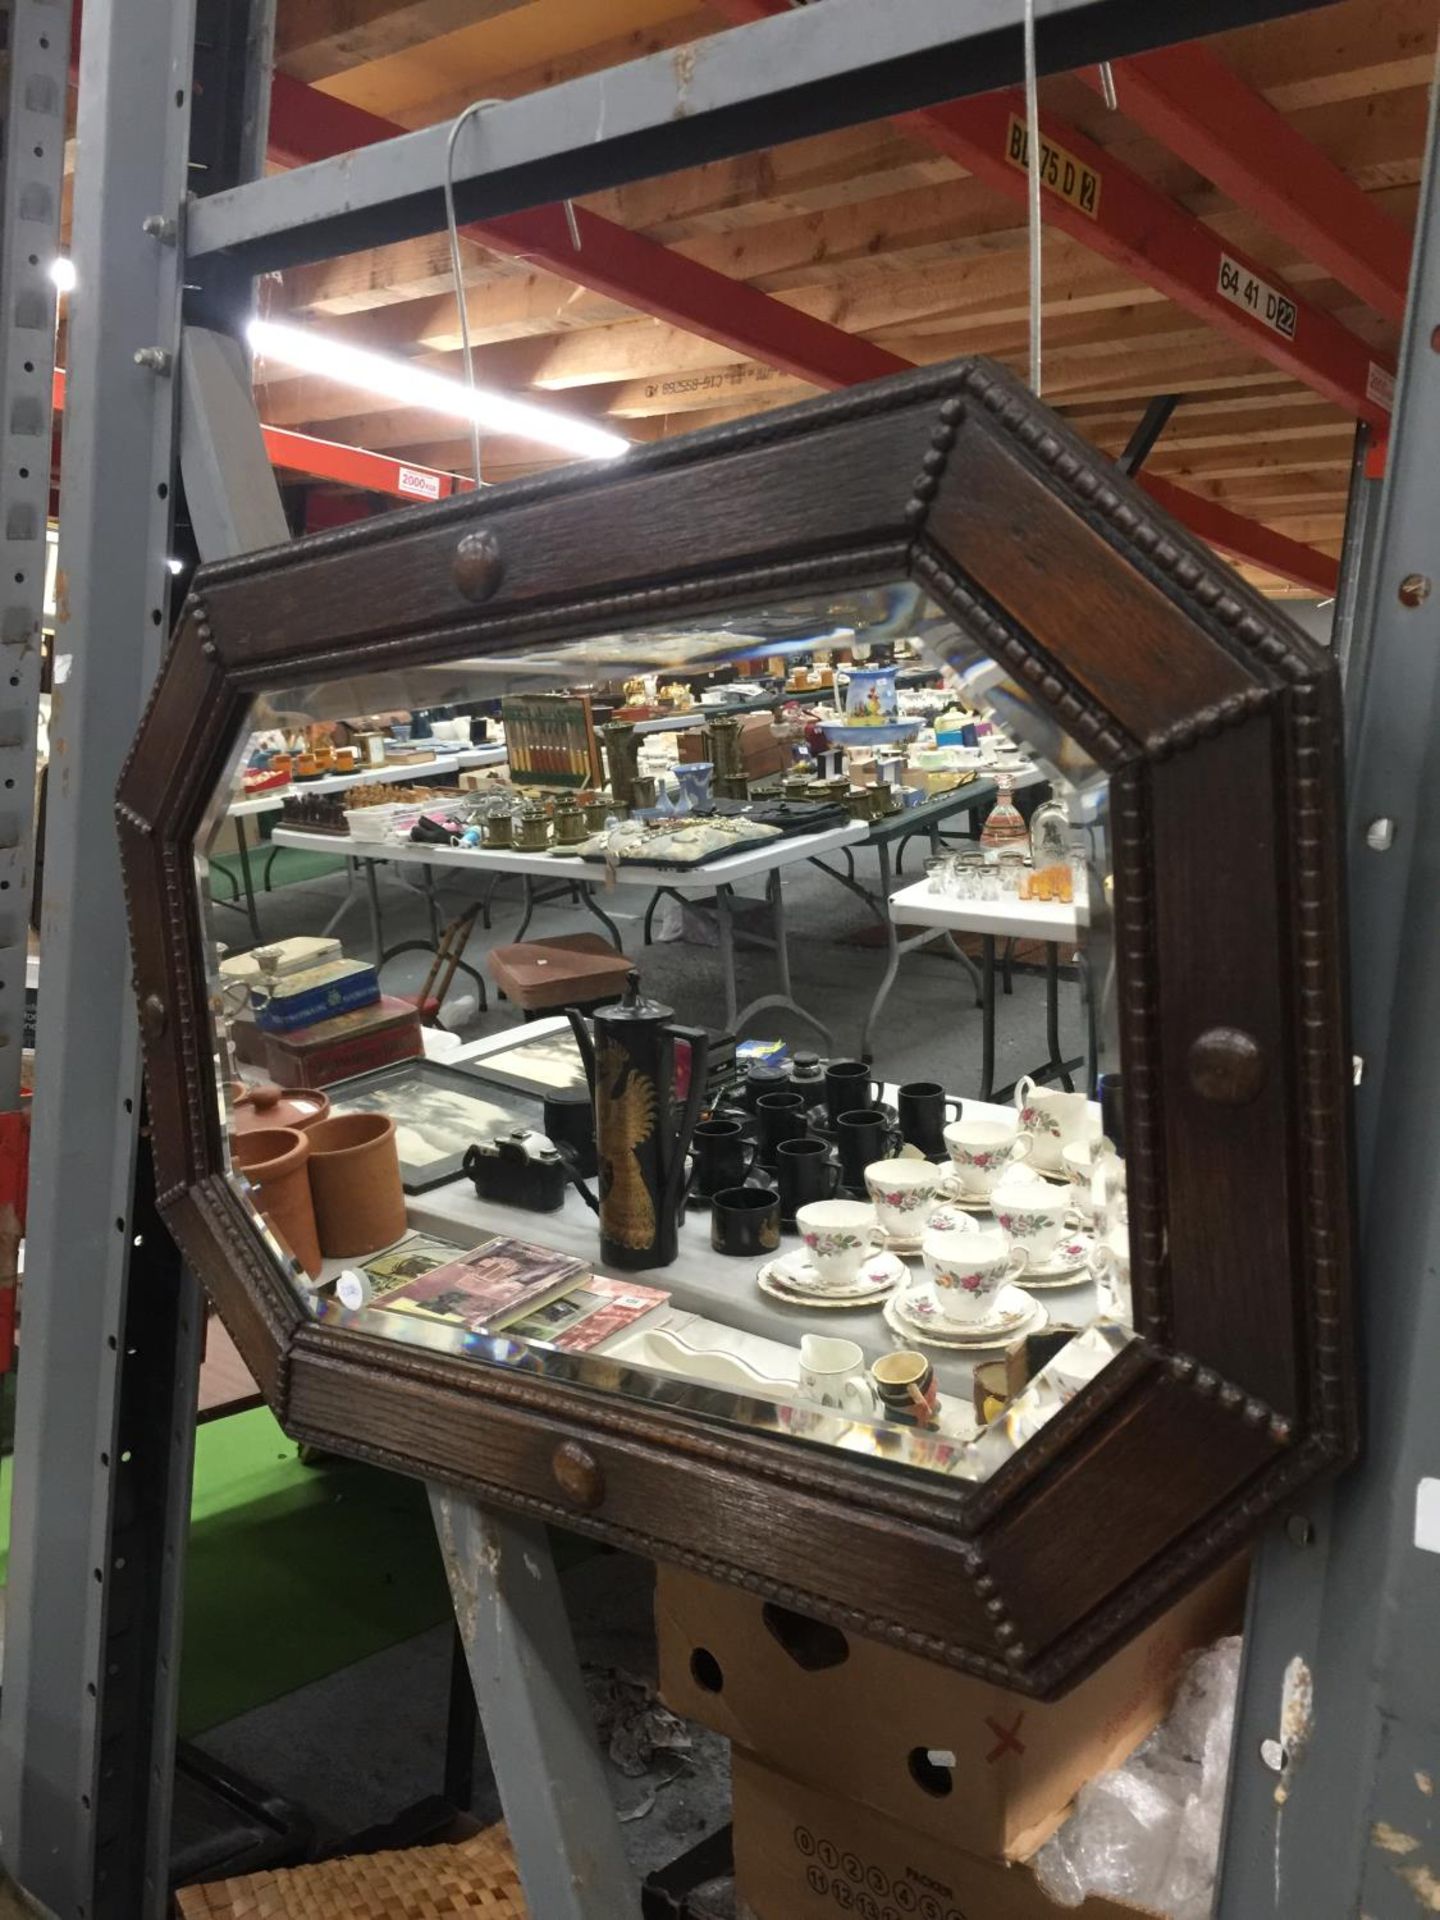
[
  {"x": 1004, "y": 826},
  {"x": 1049, "y": 835}
]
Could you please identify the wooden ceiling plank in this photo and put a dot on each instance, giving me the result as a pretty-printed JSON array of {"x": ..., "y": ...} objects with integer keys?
[
  {"x": 1351, "y": 51},
  {"x": 654, "y": 37},
  {"x": 315, "y": 39}
]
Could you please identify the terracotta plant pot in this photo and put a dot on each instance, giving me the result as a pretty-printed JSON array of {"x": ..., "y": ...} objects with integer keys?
[
  {"x": 273, "y": 1160},
  {"x": 355, "y": 1183}
]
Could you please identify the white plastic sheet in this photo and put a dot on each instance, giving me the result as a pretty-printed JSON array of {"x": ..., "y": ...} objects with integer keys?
[{"x": 1150, "y": 1831}]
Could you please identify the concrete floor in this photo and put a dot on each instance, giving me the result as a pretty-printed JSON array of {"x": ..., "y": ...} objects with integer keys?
[{"x": 357, "y": 1747}]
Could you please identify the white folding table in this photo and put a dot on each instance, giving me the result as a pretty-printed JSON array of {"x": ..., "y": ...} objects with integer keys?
[
  {"x": 274, "y": 798},
  {"x": 717, "y": 877},
  {"x": 1054, "y": 922}
]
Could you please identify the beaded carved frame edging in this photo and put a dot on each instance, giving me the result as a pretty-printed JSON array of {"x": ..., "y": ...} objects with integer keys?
[{"x": 960, "y": 479}]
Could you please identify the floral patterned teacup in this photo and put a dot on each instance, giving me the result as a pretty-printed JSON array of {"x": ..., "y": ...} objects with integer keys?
[
  {"x": 839, "y": 1235},
  {"x": 904, "y": 1195},
  {"x": 981, "y": 1150},
  {"x": 1078, "y": 1160},
  {"x": 1053, "y": 1120},
  {"x": 967, "y": 1271},
  {"x": 1033, "y": 1213}
]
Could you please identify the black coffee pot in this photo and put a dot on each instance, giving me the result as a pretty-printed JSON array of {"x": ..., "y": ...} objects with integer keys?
[{"x": 640, "y": 1142}]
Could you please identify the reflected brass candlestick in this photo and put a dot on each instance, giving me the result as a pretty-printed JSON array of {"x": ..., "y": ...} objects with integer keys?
[{"x": 622, "y": 756}]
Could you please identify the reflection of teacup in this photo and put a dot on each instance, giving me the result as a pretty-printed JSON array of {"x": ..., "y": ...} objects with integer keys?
[
  {"x": 968, "y": 1270},
  {"x": 980, "y": 1151},
  {"x": 1053, "y": 1120},
  {"x": 1033, "y": 1214},
  {"x": 904, "y": 1192},
  {"x": 1110, "y": 1264},
  {"x": 840, "y": 1235},
  {"x": 1078, "y": 1160}
]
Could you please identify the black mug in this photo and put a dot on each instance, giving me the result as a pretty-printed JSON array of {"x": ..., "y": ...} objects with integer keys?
[
  {"x": 922, "y": 1106},
  {"x": 723, "y": 1157},
  {"x": 765, "y": 1076},
  {"x": 570, "y": 1122},
  {"x": 849, "y": 1085},
  {"x": 782, "y": 1116},
  {"x": 804, "y": 1171},
  {"x": 863, "y": 1137},
  {"x": 745, "y": 1222}
]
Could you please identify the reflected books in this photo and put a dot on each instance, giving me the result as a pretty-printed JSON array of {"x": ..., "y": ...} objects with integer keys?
[
  {"x": 498, "y": 1282},
  {"x": 579, "y": 1321},
  {"x": 409, "y": 1259}
]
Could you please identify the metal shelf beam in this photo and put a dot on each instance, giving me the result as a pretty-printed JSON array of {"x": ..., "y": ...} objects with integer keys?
[{"x": 813, "y": 70}]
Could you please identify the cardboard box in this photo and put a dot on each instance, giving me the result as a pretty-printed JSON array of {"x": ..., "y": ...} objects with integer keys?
[
  {"x": 860, "y": 1720},
  {"x": 801, "y": 1854}
]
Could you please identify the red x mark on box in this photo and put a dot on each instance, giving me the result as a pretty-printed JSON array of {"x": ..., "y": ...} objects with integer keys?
[{"x": 1007, "y": 1739}]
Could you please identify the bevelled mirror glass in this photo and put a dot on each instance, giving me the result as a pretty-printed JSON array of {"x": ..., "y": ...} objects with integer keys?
[
  {"x": 853, "y": 1213},
  {"x": 804, "y": 1037}
]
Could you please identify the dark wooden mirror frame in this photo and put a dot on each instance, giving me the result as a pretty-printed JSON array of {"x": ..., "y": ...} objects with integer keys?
[{"x": 1217, "y": 722}]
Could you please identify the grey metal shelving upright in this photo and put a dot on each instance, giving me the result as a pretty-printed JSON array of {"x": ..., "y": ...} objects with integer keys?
[{"x": 112, "y": 1323}]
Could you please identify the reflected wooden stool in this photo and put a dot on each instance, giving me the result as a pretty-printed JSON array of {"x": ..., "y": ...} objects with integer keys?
[{"x": 570, "y": 970}]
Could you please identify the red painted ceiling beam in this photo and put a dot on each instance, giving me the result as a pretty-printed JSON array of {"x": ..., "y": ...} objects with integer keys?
[
  {"x": 1189, "y": 100},
  {"x": 1106, "y": 206},
  {"x": 330, "y": 460},
  {"x": 1150, "y": 236},
  {"x": 307, "y": 125},
  {"x": 1243, "y": 539}
]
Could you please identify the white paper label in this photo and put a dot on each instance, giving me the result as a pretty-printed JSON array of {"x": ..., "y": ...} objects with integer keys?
[
  {"x": 1427, "y": 1516},
  {"x": 1257, "y": 297},
  {"x": 1380, "y": 387},
  {"x": 427, "y": 485}
]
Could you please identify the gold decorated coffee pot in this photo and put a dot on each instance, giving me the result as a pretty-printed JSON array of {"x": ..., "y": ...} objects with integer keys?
[{"x": 640, "y": 1140}]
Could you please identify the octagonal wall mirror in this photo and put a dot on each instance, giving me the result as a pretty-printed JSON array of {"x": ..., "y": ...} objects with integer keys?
[{"x": 995, "y": 1374}]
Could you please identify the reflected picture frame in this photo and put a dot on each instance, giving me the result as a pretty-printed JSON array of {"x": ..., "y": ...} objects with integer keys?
[{"x": 1217, "y": 722}]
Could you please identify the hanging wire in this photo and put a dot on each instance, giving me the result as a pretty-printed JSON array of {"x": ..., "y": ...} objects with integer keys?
[
  {"x": 1107, "y": 85},
  {"x": 452, "y": 227},
  {"x": 1032, "y": 134}
]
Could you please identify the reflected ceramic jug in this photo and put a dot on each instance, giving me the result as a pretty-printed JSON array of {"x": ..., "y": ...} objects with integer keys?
[{"x": 1054, "y": 1120}]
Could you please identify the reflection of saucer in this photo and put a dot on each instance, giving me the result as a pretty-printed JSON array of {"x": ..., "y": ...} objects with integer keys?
[
  {"x": 951, "y": 1190},
  {"x": 793, "y": 1279},
  {"x": 1067, "y": 1266},
  {"x": 903, "y": 1243},
  {"x": 915, "y": 1316},
  {"x": 911, "y": 1243}
]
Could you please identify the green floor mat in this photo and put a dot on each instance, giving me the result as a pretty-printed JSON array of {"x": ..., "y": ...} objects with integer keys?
[
  {"x": 295, "y": 1571},
  {"x": 291, "y": 867}
]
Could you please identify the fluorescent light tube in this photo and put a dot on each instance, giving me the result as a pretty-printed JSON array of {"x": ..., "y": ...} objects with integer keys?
[{"x": 377, "y": 373}]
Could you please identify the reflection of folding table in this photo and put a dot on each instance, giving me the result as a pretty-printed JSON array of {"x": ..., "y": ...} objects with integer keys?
[
  {"x": 717, "y": 877},
  {"x": 272, "y": 801},
  {"x": 895, "y": 830},
  {"x": 1011, "y": 918}
]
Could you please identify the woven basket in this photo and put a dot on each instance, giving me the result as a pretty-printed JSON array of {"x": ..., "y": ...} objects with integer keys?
[{"x": 475, "y": 1876}]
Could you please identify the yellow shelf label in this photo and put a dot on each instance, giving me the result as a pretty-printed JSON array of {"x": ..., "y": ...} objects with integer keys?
[{"x": 1075, "y": 183}]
